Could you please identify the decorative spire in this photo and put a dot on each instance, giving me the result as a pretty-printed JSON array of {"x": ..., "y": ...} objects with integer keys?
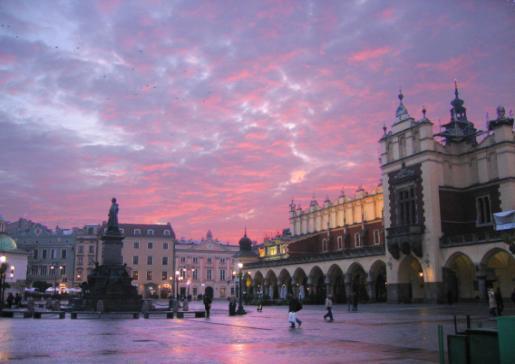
[
  {"x": 424, "y": 112},
  {"x": 402, "y": 112},
  {"x": 456, "y": 93}
]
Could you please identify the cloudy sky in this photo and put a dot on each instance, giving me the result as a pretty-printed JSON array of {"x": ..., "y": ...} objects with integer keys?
[{"x": 216, "y": 114}]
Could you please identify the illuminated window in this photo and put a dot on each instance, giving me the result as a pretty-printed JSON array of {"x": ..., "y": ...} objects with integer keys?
[
  {"x": 149, "y": 275},
  {"x": 135, "y": 275}
]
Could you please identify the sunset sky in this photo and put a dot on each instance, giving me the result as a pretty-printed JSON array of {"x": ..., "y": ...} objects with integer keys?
[{"x": 216, "y": 114}]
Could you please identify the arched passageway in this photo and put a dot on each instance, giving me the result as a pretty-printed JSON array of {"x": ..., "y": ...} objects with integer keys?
[
  {"x": 336, "y": 287},
  {"x": 377, "y": 282},
  {"x": 317, "y": 286},
  {"x": 356, "y": 283},
  {"x": 284, "y": 284},
  {"x": 458, "y": 275},
  {"x": 498, "y": 269},
  {"x": 270, "y": 290},
  {"x": 300, "y": 284},
  {"x": 411, "y": 280}
]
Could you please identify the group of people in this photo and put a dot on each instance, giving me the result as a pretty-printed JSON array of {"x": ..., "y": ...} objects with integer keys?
[{"x": 13, "y": 300}]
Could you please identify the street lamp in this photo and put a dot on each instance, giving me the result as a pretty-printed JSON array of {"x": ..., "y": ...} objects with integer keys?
[{"x": 240, "y": 310}]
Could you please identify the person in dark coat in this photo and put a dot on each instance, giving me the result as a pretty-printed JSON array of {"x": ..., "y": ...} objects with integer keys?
[
  {"x": 10, "y": 300},
  {"x": 17, "y": 300},
  {"x": 207, "y": 304},
  {"x": 498, "y": 301}
]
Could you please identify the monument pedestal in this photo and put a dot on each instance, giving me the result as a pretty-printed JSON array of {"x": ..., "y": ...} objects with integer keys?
[{"x": 110, "y": 286}]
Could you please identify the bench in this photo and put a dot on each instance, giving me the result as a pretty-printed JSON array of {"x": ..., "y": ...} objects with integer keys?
[
  {"x": 13, "y": 314},
  {"x": 38, "y": 314},
  {"x": 196, "y": 314},
  {"x": 74, "y": 314},
  {"x": 168, "y": 314}
]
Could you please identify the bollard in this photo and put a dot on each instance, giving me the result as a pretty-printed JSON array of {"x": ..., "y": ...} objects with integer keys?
[{"x": 441, "y": 349}]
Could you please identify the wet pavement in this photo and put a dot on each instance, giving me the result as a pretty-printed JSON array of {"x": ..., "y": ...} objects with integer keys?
[{"x": 376, "y": 333}]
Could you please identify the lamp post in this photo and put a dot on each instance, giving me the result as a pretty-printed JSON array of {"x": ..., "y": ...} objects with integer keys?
[{"x": 241, "y": 310}]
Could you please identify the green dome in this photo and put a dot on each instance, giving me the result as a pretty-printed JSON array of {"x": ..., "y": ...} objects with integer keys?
[{"x": 7, "y": 243}]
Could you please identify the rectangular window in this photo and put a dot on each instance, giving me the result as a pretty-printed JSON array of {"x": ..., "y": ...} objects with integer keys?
[
  {"x": 208, "y": 274},
  {"x": 44, "y": 254},
  {"x": 150, "y": 245},
  {"x": 183, "y": 259},
  {"x": 149, "y": 275},
  {"x": 164, "y": 276},
  {"x": 222, "y": 260},
  {"x": 53, "y": 254},
  {"x": 208, "y": 260},
  {"x": 91, "y": 249},
  {"x": 195, "y": 260},
  {"x": 149, "y": 260},
  {"x": 62, "y": 270},
  {"x": 357, "y": 240},
  {"x": 137, "y": 232},
  {"x": 324, "y": 245},
  {"x": 135, "y": 275},
  {"x": 79, "y": 260},
  {"x": 91, "y": 260},
  {"x": 483, "y": 211},
  {"x": 407, "y": 206},
  {"x": 135, "y": 260},
  {"x": 136, "y": 245},
  {"x": 339, "y": 242},
  {"x": 81, "y": 249},
  {"x": 165, "y": 260},
  {"x": 165, "y": 246},
  {"x": 35, "y": 254},
  {"x": 43, "y": 270},
  {"x": 34, "y": 270},
  {"x": 272, "y": 250},
  {"x": 150, "y": 232},
  {"x": 222, "y": 274},
  {"x": 183, "y": 273},
  {"x": 377, "y": 237},
  {"x": 63, "y": 254},
  {"x": 195, "y": 275}
]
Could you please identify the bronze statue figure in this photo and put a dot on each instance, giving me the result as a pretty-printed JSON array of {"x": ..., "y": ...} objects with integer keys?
[{"x": 112, "y": 223}]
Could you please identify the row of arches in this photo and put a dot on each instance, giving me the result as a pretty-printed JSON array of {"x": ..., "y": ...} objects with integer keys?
[
  {"x": 314, "y": 285},
  {"x": 462, "y": 280}
]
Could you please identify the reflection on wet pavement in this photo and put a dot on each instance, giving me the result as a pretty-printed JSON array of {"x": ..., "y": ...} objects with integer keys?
[{"x": 378, "y": 333}]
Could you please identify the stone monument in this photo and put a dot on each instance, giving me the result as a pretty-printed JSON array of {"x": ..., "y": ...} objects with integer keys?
[{"x": 109, "y": 286}]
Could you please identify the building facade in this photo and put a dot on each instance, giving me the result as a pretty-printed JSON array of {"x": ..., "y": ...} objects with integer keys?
[
  {"x": 87, "y": 252},
  {"x": 51, "y": 252},
  {"x": 440, "y": 193},
  {"x": 337, "y": 248},
  {"x": 205, "y": 266},
  {"x": 13, "y": 264},
  {"x": 434, "y": 215}
]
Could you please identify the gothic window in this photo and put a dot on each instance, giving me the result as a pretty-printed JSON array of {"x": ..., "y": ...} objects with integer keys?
[
  {"x": 406, "y": 206},
  {"x": 357, "y": 239},
  {"x": 483, "y": 210}
]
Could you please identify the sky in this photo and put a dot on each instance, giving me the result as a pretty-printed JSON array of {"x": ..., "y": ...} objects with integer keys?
[{"x": 216, "y": 114}]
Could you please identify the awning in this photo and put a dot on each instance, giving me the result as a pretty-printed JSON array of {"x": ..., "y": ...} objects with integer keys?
[{"x": 504, "y": 220}]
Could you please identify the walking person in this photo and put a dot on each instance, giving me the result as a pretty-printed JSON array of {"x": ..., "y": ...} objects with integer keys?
[
  {"x": 17, "y": 300},
  {"x": 492, "y": 305},
  {"x": 294, "y": 306},
  {"x": 329, "y": 307},
  {"x": 10, "y": 300},
  {"x": 207, "y": 304},
  {"x": 498, "y": 301},
  {"x": 260, "y": 299}
]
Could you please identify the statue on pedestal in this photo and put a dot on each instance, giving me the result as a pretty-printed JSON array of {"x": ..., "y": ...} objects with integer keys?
[{"x": 112, "y": 222}]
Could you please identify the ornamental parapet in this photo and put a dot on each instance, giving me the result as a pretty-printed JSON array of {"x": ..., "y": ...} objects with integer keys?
[
  {"x": 405, "y": 239},
  {"x": 482, "y": 237}
]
